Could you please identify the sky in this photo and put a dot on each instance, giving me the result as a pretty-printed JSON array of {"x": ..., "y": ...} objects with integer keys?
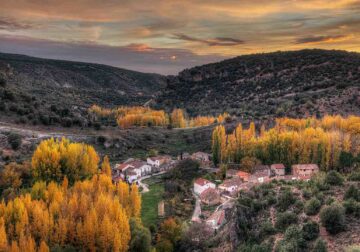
[{"x": 167, "y": 36}]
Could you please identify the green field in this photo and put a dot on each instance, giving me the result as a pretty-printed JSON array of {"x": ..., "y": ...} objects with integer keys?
[{"x": 150, "y": 200}]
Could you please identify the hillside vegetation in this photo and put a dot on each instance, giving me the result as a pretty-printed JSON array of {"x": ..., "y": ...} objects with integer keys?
[
  {"x": 43, "y": 91},
  {"x": 260, "y": 86}
]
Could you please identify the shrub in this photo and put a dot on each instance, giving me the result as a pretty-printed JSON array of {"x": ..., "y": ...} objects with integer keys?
[
  {"x": 310, "y": 230},
  {"x": 14, "y": 140},
  {"x": 352, "y": 193},
  {"x": 333, "y": 218},
  {"x": 334, "y": 178},
  {"x": 267, "y": 229},
  {"x": 293, "y": 240},
  {"x": 354, "y": 176},
  {"x": 312, "y": 206},
  {"x": 299, "y": 206},
  {"x": 320, "y": 246},
  {"x": 285, "y": 200},
  {"x": 352, "y": 207},
  {"x": 283, "y": 220}
]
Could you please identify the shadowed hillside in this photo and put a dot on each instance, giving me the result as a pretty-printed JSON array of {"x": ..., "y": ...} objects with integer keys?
[{"x": 259, "y": 86}]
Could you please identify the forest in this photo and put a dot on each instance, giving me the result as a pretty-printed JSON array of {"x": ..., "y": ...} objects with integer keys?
[
  {"x": 331, "y": 142},
  {"x": 67, "y": 202}
]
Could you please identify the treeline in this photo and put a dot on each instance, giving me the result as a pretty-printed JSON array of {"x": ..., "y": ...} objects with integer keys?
[
  {"x": 138, "y": 116},
  {"x": 87, "y": 213},
  {"x": 330, "y": 142}
]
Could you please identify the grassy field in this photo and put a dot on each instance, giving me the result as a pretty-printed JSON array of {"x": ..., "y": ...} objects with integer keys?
[{"x": 150, "y": 200}]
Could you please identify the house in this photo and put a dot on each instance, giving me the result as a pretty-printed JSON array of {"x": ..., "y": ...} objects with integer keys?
[
  {"x": 216, "y": 220},
  {"x": 201, "y": 156},
  {"x": 243, "y": 175},
  {"x": 278, "y": 169},
  {"x": 142, "y": 166},
  {"x": 304, "y": 169},
  {"x": 158, "y": 160},
  {"x": 121, "y": 168},
  {"x": 210, "y": 197},
  {"x": 261, "y": 174},
  {"x": 201, "y": 185},
  {"x": 131, "y": 176},
  {"x": 231, "y": 185}
]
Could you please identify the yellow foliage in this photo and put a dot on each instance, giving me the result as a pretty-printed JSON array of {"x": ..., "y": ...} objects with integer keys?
[
  {"x": 54, "y": 159},
  {"x": 91, "y": 214}
]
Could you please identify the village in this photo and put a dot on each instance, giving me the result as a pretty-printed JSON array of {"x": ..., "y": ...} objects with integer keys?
[{"x": 212, "y": 197}]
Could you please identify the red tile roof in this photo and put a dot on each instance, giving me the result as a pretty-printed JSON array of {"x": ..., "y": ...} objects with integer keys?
[
  {"x": 277, "y": 166},
  {"x": 201, "y": 181},
  {"x": 122, "y": 167}
]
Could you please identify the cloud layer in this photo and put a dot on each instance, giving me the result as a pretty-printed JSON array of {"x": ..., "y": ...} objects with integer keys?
[{"x": 194, "y": 31}]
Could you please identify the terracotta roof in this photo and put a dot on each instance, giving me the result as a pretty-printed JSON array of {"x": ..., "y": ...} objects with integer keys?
[
  {"x": 202, "y": 182},
  {"x": 131, "y": 173},
  {"x": 243, "y": 174},
  {"x": 160, "y": 157},
  {"x": 231, "y": 182},
  {"x": 137, "y": 163},
  {"x": 277, "y": 166},
  {"x": 209, "y": 194},
  {"x": 122, "y": 167},
  {"x": 218, "y": 217},
  {"x": 305, "y": 166}
]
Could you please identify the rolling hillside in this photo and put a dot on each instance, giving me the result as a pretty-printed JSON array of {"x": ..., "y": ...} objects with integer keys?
[
  {"x": 261, "y": 86},
  {"x": 35, "y": 88}
]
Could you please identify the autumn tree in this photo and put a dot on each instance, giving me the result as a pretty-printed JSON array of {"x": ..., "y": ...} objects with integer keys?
[
  {"x": 54, "y": 159},
  {"x": 105, "y": 166},
  {"x": 178, "y": 118}
]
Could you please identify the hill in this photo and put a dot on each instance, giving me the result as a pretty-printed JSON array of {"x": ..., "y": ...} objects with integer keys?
[
  {"x": 34, "y": 88},
  {"x": 261, "y": 86}
]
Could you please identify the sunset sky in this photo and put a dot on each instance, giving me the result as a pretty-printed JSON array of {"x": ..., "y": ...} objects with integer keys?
[{"x": 170, "y": 35}]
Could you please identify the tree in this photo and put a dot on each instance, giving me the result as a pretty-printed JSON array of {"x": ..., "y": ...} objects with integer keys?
[
  {"x": 352, "y": 193},
  {"x": 105, "y": 166},
  {"x": 140, "y": 237},
  {"x": 54, "y": 159},
  {"x": 169, "y": 232},
  {"x": 3, "y": 236},
  {"x": 320, "y": 246},
  {"x": 310, "y": 230},
  {"x": 14, "y": 140},
  {"x": 312, "y": 206},
  {"x": 178, "y": 119},
  {"x": 43, "y": 247},
  {"x": 334, "y": 178},
  {"x": 333, "y": 218},
  {"x": 135, "y": 201}
]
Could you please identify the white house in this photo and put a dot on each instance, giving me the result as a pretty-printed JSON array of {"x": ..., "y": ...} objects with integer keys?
[
  {"x": 142, "y": 166},
  {"x": 201, "y": 185},
  {"x": 201, "y": 156},
  {"x": 158, "y": 161},
  {"x": 121, "y": 168},
  {"x": 131, "y": 176},
  {"x": 231, "y": 185}
]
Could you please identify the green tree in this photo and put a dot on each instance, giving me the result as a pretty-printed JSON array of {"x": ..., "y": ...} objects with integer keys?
[{"x": 333, "y": 218}]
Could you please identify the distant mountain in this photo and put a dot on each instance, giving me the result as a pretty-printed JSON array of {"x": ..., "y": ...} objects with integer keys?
[
  {"x": 36, "y": 87},
  {"x": 261, "y": 86}
]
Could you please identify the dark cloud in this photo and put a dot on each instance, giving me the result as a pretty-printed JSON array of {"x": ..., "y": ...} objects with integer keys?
[
  {"x": 139, "y": 57},
  {"x": 12, "y": 25},
  {"x": 218, "y": 41},
  {"x": 319, "y": 39}
]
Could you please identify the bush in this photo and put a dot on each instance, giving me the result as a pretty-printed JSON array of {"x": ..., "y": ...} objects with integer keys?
[
  {"x": 293, "y": 240},
  {"x": 312, "y": 206},
  {"x": 352, "y": 207},
  {"x": 283, "y": 220},
  {"x": 310, "y": 230},
  {"x": 320, "y": 246},
  {"x": 352, "y": 193},
  {"x": 14, "y": 140},
  {"x": 354, "y": 176},
  {"x": 267, "y": 229},
  {"x": 334, "y": 178},
  {"x": 285, "y": 200},
  {"x": 333, "y": 218}
]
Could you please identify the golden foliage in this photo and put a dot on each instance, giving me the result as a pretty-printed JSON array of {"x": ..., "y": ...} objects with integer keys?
[
  {"x": 291, "y": 141},
  {"x": 54, "y": 159},
  {"x": 92, "y": 215}
]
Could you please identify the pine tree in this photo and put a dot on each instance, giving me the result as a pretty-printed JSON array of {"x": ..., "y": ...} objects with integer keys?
[{"x": 105, "y": 167}]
